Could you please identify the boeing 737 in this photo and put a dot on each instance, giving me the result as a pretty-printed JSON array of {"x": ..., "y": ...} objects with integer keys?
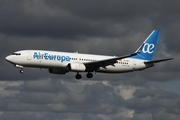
[{"x": 64, "y": 62}]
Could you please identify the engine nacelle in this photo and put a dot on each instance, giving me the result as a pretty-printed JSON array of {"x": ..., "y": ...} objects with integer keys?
[
  {"x": 77, "y": 67},
  {"x": 58, "y": 71}
]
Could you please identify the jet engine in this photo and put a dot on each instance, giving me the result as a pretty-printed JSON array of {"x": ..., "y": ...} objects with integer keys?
[{"x": 77, "y": 67}]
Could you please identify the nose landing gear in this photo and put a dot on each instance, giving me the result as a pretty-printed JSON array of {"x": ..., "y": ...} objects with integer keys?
[
  {"x": 21, "y": 71},
  {"x": 21, "y": 67}
]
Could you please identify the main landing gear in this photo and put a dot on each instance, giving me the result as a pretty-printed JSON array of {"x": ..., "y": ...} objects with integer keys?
[
  {"x": 79, "y": 76},
  {"x": 89, "y": 75}
]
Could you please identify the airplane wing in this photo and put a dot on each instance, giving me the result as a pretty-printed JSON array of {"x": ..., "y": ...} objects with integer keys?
[{"x": 94, "y": 66}]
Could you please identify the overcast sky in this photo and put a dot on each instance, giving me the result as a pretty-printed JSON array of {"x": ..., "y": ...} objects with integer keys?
[{"x": 107, "y": 27}]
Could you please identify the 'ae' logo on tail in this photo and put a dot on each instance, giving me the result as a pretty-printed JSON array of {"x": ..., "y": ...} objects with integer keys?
[{"x": 148, "y": 48}]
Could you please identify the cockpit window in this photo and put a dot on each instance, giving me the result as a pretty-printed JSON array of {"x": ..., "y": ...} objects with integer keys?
[{"x": 16, "y": 53}]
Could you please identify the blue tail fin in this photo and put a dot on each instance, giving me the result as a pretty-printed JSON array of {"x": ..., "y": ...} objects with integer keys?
[{"x": 147, "y": 49}]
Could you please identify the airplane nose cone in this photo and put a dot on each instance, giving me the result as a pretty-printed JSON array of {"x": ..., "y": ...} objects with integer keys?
[{"x": 9, "y": 58}]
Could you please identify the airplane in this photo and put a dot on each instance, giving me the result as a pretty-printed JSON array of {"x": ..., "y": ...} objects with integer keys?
[{"x": 64, "y": 62}]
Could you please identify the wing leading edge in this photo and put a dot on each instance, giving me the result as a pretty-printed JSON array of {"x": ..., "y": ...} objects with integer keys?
[{"x": 94, "y": 66}]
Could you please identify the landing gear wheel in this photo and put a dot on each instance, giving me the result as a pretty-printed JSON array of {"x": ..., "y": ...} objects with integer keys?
[
  {"x": 21, "y": 71},
  {"x": 78, "y": 76},
  {"x": 89, "y": 75}
]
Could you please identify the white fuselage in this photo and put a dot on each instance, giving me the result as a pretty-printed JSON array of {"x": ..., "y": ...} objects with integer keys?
[{"x": 60, "y": 60}]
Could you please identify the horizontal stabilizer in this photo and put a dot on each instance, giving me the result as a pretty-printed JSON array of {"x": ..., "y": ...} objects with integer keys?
[{"x": 161, "y": 60}]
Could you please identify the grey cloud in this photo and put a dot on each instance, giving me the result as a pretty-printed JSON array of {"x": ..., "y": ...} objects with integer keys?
[
  {"x": 85, "y": 99},
  {"x": 67, "y": 19},
  {"x": 165, "y": 116},
  {"x": 55, "y": 96},
  {"x": 48, "y": 116},
  {"x": 36, "y": 18},
  {"x": 152, "y": 99}
]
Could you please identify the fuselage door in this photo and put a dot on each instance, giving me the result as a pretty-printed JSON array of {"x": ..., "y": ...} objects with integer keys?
[
  {"x": 29, "y": 55},
  {"x": 134, "y": 64}
]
